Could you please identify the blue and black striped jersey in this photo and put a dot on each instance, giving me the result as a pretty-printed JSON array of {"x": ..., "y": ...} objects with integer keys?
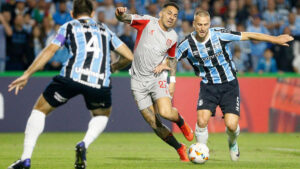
[
  {"x": 89, "y": 44},
  {"x": 212, "y": 59}
]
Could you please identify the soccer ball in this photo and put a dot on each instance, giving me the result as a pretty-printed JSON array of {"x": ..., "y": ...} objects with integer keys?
[{"x": 198, "y": 153}]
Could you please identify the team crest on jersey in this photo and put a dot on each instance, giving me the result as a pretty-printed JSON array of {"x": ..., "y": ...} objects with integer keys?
[{"x": 169, "y": 42}]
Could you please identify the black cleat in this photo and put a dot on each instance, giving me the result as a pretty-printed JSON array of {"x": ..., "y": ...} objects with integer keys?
[
  {"x": 80, "y": 162},
  {"x": 25, "y": 164}
]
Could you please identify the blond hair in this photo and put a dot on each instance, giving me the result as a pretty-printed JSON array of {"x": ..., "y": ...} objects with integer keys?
[{"x": 201, "y": 13}]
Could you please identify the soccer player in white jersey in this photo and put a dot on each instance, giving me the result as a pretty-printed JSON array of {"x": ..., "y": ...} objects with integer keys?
[
  {"x": 87, "y": 72},
  {"x": 207, "y": 49},
  {"x": 155, "y": 40}
]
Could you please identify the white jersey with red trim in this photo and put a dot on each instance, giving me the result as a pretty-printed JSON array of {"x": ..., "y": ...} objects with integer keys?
[{"x": 151, "y": 47}]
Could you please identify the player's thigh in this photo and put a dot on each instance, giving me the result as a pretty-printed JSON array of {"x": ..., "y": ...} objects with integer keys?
[
  {"x": 203, "y": 117},
  {"x": 208, "y": 99},
  {"x": 164, "y": 106},
  {"x": 101, "y": 111},
  {"x": 43, "y": 106},
  {"x": 230, "y": 102},
  {"x": 97, "y": 98},
  {"x": 141, "y": 94},
  {"x": 59, "y": 91}
]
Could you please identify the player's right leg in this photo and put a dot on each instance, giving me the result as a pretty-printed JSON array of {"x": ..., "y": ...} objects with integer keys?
[
  {"x": 201, "y": 131},
  {"x": 98, "y": 101},
  {"x": 35, "y": 126},
  {"x": 96, "y": 126},
  {"x": 206, "y": 107},
  {"x": 163, "y": 131}
]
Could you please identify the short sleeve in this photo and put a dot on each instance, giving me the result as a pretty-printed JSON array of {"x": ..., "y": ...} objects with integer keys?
[
  {"x": 229, "y": 35},
  {"x": 114, "y": 42},
  {"x": 172, "y": 50},
  {"x": 139, "y": 22},
  {"x": 182, "y": 50},
  {"x": 60, "y": 37}
]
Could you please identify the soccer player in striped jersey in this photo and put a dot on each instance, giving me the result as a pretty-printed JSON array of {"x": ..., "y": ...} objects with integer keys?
[
  {"x": 208, "y": 51},
  {"x": 86, "y": 72},
  {"x": 155, "y": 40}
]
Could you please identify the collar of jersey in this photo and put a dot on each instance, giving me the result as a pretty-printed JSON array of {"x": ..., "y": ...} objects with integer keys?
[{"x": 84, "y": 17}]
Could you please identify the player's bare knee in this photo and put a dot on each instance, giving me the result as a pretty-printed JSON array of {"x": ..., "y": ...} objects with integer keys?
[
  {"x": 166, "y": 112},
  {"x": 202, "y": 123},
  {"x": 231, "y": 126}
]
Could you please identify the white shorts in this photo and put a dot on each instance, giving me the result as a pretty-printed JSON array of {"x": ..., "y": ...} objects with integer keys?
[{"x": 145, "y": 92}]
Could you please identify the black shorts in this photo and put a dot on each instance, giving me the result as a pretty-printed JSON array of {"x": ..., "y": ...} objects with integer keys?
[
  {"x": 226, "y": 95},
  {"x": 61, "y": 89}
]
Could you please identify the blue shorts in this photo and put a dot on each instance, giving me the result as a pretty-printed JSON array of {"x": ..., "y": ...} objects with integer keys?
[{"x": 61, "y": 89}]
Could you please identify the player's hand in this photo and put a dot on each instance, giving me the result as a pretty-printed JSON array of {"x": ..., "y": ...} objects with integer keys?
[
  {"x": 284, "y": 39},
  {"x": 172, "y": 89},
  {"x": 120, "y": 11},
  {"x": 161, "y": 67},
  {"x": 18, "y": 84}
]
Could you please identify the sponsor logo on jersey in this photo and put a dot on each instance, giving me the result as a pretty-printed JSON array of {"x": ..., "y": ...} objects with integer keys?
[{"x": 195, "y": 53}]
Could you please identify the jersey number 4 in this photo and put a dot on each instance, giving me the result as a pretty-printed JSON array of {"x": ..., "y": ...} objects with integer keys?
[{"x": 93, "y": 46}]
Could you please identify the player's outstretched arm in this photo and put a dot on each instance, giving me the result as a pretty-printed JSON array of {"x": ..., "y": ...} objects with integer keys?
[
  {"x": 37, "y": 64},
  {"x": 122, "y": 16},
  {"x": 125, "y": 58},
  {"x": 280, "y": 40}
]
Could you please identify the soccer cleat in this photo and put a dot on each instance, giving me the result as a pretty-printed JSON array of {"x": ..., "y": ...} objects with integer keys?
[
  {"x": 182, "y": 153},
  {"x": 25, "y": 164},
  {"x": 234, "y": 151},
  {"x": 80, "y": 162},
  {"x": 187, "y": 131}
]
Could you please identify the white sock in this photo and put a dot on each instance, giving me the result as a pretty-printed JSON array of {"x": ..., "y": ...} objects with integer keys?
[
  {"x": 96, "y": 126},
  {"x": 232, "y": 136},
  {"x": 201, "y": 134},
  {"x": 35, "y": 126}
]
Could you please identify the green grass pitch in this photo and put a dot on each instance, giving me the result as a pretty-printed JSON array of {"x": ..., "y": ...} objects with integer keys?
[{"x": 147, "y": 151}]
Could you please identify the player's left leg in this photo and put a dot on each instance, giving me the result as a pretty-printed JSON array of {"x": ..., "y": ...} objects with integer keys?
[
  {"x": 233, "y": 131},
  {"x": 162, "y": 131},
  {"x": 165, "y": 109},
  {"x": 230, "y": 105}
]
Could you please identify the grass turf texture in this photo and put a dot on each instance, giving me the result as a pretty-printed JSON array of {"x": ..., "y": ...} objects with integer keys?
[{"x": 147, "y": 151}]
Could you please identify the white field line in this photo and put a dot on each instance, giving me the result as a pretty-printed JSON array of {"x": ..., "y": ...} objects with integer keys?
[{"x": 284, "y": 149}]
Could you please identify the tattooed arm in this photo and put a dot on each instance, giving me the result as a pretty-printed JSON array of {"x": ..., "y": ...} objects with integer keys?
[
  {"x": 173, "y": 67},
  {"x": 122, "y": 16}
]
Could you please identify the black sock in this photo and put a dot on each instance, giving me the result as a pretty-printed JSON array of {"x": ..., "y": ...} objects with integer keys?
[
  {"x": 180, "y": 121},
  {"x": 171, "y": 140}
]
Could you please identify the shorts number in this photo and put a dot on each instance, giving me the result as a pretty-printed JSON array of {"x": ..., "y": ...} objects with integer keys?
[
  {"x": 1, "y": 107},
  {"x": 162, "y": 83}
]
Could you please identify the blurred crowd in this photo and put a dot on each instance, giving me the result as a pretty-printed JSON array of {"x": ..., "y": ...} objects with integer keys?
[{"x": 27, "y": 26}]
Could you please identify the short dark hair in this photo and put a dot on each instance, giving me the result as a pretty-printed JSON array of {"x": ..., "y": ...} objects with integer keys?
[
  {"x": 81, "y": 7},
  {"x": 171, "y": 4}
]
